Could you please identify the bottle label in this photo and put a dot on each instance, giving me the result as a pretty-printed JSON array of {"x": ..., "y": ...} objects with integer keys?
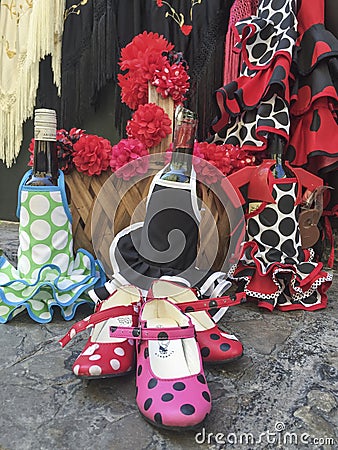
[
  {"x": 253, "y": 206},
  {"x": 44, "y": 134}
]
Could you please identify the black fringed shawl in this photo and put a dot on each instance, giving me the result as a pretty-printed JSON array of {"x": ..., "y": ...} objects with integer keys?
[{"x": 95, "y": 32}]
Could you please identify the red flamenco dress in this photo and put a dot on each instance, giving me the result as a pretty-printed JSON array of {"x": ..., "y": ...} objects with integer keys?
[
  {"x": 274, "y": 269},
  {"x": 314, "y": 96},
  {"x": 314, "y": 99}
]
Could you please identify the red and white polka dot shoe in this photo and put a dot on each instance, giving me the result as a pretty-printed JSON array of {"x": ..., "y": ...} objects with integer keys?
[
  {"x": 217, "y": 346},
  {"x": 103, "y": 355}
]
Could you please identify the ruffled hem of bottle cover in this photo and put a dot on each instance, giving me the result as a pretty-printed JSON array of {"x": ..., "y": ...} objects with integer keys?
[
  {"x": 49, "y": 290},
  {"x": 283, "y": 286}
]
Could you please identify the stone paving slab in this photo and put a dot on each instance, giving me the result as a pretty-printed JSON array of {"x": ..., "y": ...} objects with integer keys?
[{"x": 281, "y": 394}]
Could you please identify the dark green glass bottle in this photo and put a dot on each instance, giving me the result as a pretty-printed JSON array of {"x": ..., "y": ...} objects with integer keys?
[{"x": 45, "y": 163}]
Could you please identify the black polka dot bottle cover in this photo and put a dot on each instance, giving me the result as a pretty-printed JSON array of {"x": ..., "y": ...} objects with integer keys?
[{"x": 274, "y": 269}]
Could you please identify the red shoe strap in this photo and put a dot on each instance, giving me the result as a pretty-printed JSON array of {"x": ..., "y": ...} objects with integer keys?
[
  {"x": 97, "y": 317},
  {"x": 153, "y": 334},
  {"x": 209, "y": 303}
]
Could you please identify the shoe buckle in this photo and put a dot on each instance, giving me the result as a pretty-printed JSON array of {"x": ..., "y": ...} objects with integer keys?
[
  {"x": 137, "y": 333},
  {"x": 136, "y": 307},
  {"x": 198, "y": 293}
]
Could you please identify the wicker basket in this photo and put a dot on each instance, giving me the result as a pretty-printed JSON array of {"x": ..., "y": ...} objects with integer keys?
[{"x": 84, "y": 191}]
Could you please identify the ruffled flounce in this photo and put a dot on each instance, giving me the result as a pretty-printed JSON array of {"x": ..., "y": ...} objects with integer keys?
[
  {"x": 257, "y": 102},
  {"x": 315, "y": 45},
  {"x": 263, "y": 37},
  {"x": 129, "y": 266},
  {"x": 313, "y": 143},
  {"x": 50, "y": 289},
  {"x": 314, "y": 102},
  {"x": 249, "y": 129},
  {"x": 280, "y": 285}
]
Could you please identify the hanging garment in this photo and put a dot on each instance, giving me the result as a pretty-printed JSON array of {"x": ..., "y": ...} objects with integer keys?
[
  {"x": 89, "y": 57},
  {"x": 30, "y": 31},
  {"x": 47, "y": 274},
  {"x": 256, "y": 103},
  {"x": 274, "y": 269},
  {"x": 241, "y": 9},
  {"x": 314, "y": 93}
]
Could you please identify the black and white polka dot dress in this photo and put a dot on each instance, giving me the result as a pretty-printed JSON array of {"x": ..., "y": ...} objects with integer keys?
[
  {"x": 257, "y": 102},
  {"x": 274, "y": 269}
]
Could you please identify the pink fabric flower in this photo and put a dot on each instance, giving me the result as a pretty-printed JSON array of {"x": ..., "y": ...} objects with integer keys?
[
  {"x": 130, "y": 151},
  {"x": 211, "y": 161}
]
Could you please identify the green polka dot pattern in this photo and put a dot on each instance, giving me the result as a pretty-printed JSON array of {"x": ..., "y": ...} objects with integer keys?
[{"x": 47, "y": 275}]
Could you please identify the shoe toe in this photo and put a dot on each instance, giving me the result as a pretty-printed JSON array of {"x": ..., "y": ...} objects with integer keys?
[
  {"x": 181, "y": 403},
  {"x": 105, "y": 360},
  {"x": 218, "y": 347},
  {"x": 174, "y": 403}
]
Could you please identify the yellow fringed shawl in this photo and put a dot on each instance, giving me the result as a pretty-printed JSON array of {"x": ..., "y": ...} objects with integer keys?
[{"x": 29, "y": 31}]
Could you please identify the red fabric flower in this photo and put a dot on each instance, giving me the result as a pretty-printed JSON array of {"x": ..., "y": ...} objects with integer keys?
[
  {"x": 129, "y": 151},
  {"x": 31, "y": 150},
  {"x": 211, "y": 161},
  {"x": 143, "y": 50},
  {"x": 215, "y": 156},
  {"x": 239, "y": 158},
  {"x": 172, "y": 80},
  {"x": 134, "y": 89},
  {"x": 92, "y": 154},
  {"x": 150, "y": 124},
  {"x": 147, "y": 59}
]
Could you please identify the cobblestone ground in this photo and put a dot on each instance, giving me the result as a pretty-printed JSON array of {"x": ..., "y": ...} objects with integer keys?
[{"x": 281, "y": 394}]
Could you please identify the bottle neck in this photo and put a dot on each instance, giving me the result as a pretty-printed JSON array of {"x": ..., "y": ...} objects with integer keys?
[
  {"x": 180, "y": 165},
  {"x": 45, "y": 160},
  {"x": 45, "y": 166},
  {"x": 276, "y": 145},
  {"x": 183, "y": 143}
]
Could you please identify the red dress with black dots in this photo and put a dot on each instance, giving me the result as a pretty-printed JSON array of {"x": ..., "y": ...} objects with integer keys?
[{"x": 314, "y": 97}]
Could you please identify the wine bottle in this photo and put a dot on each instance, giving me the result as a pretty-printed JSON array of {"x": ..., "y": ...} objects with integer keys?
[
  {"x": 180, "y": 166},
  {"x": 276, "y": 145},
  {"x": 45, "y": 162}
]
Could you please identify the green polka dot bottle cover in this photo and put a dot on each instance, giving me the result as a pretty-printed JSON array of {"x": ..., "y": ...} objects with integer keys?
[{"x": 48, "y": 274}]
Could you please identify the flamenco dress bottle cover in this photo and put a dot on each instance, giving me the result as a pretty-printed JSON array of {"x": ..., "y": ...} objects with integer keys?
[
  {"x": 165, "y": 244},
  {"x": 47, "y": 274},
  {"x": 275, "y": 269}
]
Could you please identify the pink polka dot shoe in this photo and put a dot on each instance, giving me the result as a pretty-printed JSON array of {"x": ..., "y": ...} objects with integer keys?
[
  {"x": 217, "y": 347},
  {"x": 171, "y": 389},
  {"x": 103, "y": 355}
]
